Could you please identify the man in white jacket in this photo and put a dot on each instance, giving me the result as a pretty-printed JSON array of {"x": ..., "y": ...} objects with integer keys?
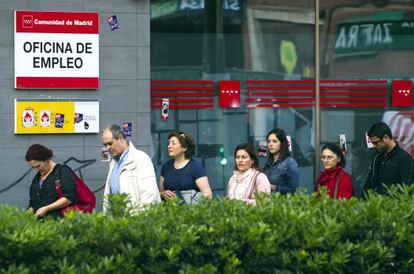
[{"x": 130, "y": 171}]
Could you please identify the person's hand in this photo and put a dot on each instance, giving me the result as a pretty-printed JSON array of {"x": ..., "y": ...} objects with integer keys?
[
  {"x": 41, "y": 211},
  {"x": 168, "y": 194}
]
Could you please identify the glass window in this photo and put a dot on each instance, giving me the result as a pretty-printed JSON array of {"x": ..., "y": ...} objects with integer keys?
[
  {"x": 254, "y": 43},
  {"x": 370, "y": 44}
]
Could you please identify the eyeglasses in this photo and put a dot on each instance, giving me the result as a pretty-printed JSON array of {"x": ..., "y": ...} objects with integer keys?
[
  {"x": 182, "y": 134},
  {"x": 376, "y": 142},
  {"x": 327, "y": 158}
]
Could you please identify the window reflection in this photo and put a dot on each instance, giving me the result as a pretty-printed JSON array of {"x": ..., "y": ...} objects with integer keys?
[{"x": 365, "y": 40}]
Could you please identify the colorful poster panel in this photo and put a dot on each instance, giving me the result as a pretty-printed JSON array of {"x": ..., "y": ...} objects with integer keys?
[{"x": 55, "y": 116}]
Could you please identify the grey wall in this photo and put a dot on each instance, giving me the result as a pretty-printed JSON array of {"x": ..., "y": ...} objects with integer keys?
[{"x": 123, "y": 93}]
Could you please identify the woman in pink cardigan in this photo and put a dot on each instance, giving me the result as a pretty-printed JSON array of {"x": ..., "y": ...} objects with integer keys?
[{"x": 247, "y": 177}]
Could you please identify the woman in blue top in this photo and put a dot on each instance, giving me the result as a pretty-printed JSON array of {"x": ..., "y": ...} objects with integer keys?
[
  {"x": 182, "y": 176},
  {"x": 281, "y": 169}
]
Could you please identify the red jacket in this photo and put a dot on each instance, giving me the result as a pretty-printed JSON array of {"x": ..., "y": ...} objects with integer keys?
[{"x": 327, "y": 179}]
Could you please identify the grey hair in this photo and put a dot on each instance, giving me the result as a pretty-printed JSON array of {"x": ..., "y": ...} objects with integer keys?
[{"x": 116, "y": 131}]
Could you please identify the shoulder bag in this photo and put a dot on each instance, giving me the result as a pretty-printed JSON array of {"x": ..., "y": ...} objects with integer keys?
[
  {"x": 335, "y": 194},
  {"x": 253, "y": 184}
]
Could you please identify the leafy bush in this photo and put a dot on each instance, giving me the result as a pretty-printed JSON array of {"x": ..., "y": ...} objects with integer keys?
[{"x": 282, "y": 234}]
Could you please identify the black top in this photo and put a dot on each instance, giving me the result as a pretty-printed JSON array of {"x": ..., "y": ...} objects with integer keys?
[
  {"x": 183, "y": 178},
  {"x": 45, "y": 194},
  {"x": 395, "y": 167}
]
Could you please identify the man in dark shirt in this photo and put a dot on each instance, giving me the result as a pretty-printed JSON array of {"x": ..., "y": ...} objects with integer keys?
[{"x": 391, "y": 164}]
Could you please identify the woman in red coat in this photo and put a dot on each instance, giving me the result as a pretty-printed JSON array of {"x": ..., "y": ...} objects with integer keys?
[{"x": 334, "y": 177}]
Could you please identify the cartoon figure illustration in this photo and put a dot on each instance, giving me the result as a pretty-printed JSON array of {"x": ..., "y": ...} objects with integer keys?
[
  {"x": 28, "y": 118},
  {"x": 44, "y": 118}
]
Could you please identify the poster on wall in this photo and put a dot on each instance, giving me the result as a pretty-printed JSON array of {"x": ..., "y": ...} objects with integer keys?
[
  {"x": 56, "y": 50},
  {"x": 49, "y": 116}
]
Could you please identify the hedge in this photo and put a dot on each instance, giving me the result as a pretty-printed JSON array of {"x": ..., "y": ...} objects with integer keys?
[{"x": 282, "y": 234}]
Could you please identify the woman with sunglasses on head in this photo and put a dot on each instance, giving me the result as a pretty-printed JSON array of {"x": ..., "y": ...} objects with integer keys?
[
  {"x": 334, "y": 177},
  {"x": 247, "y": 177},
  {"x": 280, "y": 168},
  {"x": 182, "y": 176}
]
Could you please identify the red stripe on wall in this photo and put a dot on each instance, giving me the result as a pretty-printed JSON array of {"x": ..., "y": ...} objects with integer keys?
[
  {"x": 275, "y": 93},
  {"x": 278, "y": 105},
  {"x": 157, "y": 88},
  {"x": 330, "y": 99},
  {"x": 179, "y": 100},
  {"x": 313, "y": 88},
  {"x": 293, "y": 93},
  {"x": 57, "y": 82},
  {"x": 355, "y": 105},
  {"x": 312, "y": 105},
  {"x": 181, "y": 94},
  {"x": 322, "y": 93},
  {"x": 50, "y": 22},
  {"x": 334, "y": 93},
  {"x": 280, "y": 88},
  {"x": 354, "y": 93},
  {"x": 354, "y": 81},
  {"x": 353, "y": 87},
  {"x": 165, "y": 82},
  {"x": 279, "y": 99},
  {"x": 186, "y": 106},
  {"x": 251, "y": 82}
]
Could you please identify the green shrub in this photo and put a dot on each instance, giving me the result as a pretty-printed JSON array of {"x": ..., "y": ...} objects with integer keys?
[{"x": 282, "y": 234}]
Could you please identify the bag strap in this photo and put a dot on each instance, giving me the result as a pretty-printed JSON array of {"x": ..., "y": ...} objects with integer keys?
[
  {"x": 337, "y": 185},
  {"x": 254, "y": 180},
  {"x": 57, "y": 181}
]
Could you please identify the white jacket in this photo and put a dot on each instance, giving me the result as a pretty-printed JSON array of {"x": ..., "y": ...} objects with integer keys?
[{"x": 137, "y": 178}]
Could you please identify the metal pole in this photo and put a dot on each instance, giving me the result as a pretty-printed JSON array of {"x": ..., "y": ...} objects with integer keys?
[{"x": 317, "y": 95}]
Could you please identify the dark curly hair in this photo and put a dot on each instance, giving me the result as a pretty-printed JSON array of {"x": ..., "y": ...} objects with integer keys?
[{"x": 38, "y": 152}]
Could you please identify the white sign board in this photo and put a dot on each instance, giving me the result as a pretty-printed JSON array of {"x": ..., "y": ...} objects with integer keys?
[{"x": 56, "y": 50}]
